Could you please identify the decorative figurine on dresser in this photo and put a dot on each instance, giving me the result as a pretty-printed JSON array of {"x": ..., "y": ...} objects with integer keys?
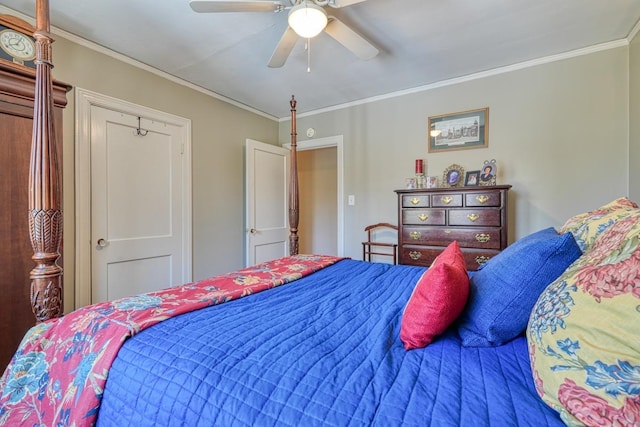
[{"x": 430, "y": 219}]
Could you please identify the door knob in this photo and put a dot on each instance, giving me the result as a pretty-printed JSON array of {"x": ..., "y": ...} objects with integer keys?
[
  {"x": 253, "y": 231},
  {"x": 102, "y": 243}
]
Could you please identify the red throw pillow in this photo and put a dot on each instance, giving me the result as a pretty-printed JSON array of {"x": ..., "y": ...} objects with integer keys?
[{"x": 437, "y": 299}]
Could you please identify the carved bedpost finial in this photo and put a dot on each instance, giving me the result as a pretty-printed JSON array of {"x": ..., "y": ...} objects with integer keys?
[
  {"x": 45, "y": 213},
  {"x": 294, "y": 213}
]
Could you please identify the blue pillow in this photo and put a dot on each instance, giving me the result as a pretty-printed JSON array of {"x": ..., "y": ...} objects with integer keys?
[{"x": 504, "y": 291}]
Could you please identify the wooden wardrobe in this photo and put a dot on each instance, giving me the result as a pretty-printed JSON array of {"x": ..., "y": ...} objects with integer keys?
[{"x": 17, "y": 87}]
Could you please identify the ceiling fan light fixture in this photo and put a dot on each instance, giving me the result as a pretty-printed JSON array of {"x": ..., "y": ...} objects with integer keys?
[{"x": 307, "y": 19}]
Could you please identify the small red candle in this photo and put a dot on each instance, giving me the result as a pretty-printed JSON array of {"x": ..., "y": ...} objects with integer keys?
[{"x": 419, "y": 166}]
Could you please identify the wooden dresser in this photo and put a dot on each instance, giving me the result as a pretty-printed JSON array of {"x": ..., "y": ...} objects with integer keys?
[{"x": 430, "y": 219}]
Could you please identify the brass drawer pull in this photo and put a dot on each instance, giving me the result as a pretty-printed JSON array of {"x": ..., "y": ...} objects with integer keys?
[
  {"x": 415, "y": 235},
  {"x": 415, "y": 201},
  {"x": 473, "y": 217},
  {"x": 446, "y": 199},
  {"x": 415, "y": 255},
  {"x": 447, "y": 231},
  {"x": 483, "y": 238},
  {"x": 423, "y": 217},
  {"x": 481, "y": 259},
  {"x": 482, "y": 199}
]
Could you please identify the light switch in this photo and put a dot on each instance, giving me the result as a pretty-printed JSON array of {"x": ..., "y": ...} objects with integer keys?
[{"x": 351, "y": 200}]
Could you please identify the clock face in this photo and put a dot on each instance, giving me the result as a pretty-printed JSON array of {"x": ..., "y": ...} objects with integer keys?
[{"x": 17, "y": 45}]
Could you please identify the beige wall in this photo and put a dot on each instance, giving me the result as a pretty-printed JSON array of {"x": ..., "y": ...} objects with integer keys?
[
  {"x": 559, "y": 133},
  {"x": 219, "y": 131},
  {"x": 634, "y": 119}
]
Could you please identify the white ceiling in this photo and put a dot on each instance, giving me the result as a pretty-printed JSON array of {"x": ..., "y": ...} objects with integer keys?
[{"x": 421, "y": 42}]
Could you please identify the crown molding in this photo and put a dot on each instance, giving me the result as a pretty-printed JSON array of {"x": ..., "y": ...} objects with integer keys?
[
  {"x": 108, "y": 52},
  {"x": 449, "y": 82},
  {"x": 475, "y": 76}
]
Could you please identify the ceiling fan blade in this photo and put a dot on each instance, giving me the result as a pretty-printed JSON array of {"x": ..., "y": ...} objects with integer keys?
[
  {"x": 283, "y": 49},
  {"x": 350, "y": 39},
  {"x": 237, "y": 6},
  {"x": 343, "y": 3}
]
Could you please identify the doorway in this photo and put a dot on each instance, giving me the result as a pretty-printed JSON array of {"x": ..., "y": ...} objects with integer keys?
[
  {"x": 318, "y": 183},
  {"x": 334, "y": 155}
]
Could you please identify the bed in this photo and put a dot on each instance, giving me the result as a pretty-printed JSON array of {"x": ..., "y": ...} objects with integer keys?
[
  {"x": 336, "y": 359},
  {"x": 545, "y": 334},
  {"x": 322, "y": 340}
]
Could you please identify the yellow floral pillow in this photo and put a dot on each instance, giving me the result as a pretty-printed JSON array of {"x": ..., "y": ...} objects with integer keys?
[
  {"x": 587, "y": 227},
  {"x": 584, "y": 332}
]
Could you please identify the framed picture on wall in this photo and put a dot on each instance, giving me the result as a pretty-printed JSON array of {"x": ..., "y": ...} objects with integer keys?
[{"x": 459, "y": 131}]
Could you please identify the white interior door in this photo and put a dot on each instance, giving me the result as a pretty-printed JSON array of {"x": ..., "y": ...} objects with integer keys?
[
  {"x": 267, "y": 222},
  {"x": 136, "y": 205}
]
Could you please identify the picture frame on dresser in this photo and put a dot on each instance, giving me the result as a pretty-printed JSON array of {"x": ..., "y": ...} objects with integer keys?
[
  {"x": 471, "y": 178},
  {"x": 458, "y": 131},
  {"x": 488, "y": 173},
  {"x": 453, "y": 176},
  {"x": 410, "y": 183}
]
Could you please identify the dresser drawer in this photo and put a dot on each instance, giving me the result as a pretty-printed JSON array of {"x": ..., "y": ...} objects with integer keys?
[
  {"x": 446, "y": 200},
  {"x": 424, "y": 256},
  {"x": 482, "y": 199},
  {"x": 415, "y": 201},
  {"x": 423, "y": 216},
  {"x": 441, "y": 236},
  {"x": 476, "y": 257},
  {"x": 417, "y": 235},
  {"x": 418, "y": 255},
  {"x": 475, "y": 217}
]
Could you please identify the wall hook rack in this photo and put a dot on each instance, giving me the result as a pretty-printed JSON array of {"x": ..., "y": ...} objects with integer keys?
[{"x": 140, "y": 131}]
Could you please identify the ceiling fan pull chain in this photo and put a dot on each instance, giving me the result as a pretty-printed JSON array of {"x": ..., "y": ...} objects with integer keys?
[{"x": 308, "y": 55}]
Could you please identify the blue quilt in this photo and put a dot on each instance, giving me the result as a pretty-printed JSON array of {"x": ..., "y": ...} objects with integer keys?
[{"x": 323, "y": 350}]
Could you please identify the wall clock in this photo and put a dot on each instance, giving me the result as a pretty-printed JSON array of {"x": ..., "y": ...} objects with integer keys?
[{"x": 17, "y": 44}]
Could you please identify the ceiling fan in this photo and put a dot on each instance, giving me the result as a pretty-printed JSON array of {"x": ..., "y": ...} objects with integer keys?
[{"x": 303, "y": 14}]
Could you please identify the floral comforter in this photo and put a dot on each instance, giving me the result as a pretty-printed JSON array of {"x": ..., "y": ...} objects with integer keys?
[{"x": 58, "y": 374}]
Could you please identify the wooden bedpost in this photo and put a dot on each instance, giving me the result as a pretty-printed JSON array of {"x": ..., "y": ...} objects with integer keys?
[
  {"x": 294, "y": 213},
  {"x": 45, "y": 213}
]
